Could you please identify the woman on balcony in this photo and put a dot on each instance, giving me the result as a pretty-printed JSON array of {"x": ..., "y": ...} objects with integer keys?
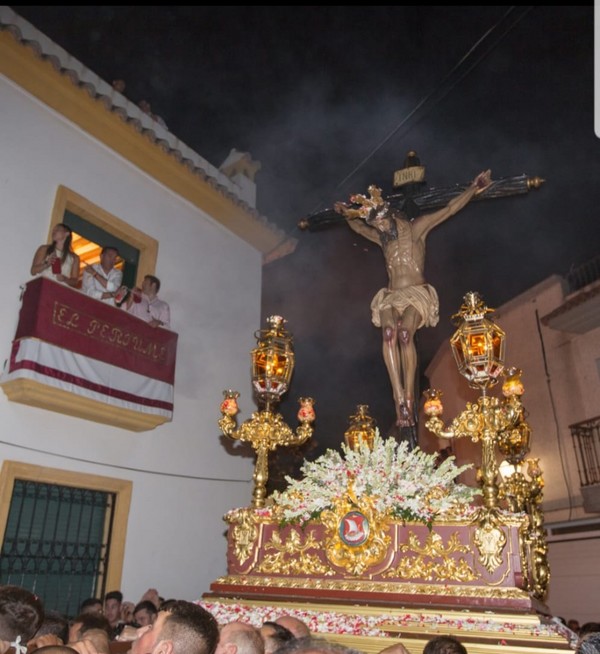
[{"x": 57, "y": 260}]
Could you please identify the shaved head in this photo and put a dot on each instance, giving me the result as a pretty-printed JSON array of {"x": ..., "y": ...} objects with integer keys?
[{"x": 295, "y": 625}]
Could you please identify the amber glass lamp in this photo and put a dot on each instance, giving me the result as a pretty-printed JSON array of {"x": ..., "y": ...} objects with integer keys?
[
  {"x": 272, "y": 360},
  {"x": 478, "y": 344}
]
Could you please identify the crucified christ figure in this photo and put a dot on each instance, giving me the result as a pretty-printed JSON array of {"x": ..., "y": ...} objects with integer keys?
[{"x": 408, "y": 302}]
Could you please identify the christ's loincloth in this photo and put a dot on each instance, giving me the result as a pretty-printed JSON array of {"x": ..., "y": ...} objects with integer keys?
[{"x": 423, "y": 298}]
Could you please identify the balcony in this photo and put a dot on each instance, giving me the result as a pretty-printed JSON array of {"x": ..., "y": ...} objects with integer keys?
[
  {"x": 76, "y": 355},
  {"x": 580, "y": 312},
  {"x": 586, "y": 441}
]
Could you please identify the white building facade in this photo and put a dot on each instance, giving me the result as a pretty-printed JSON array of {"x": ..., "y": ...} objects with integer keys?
[{"x": 64, "y": 128}]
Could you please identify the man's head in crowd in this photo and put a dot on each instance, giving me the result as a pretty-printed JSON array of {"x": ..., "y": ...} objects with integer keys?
[
  {"x": 315, "y": 645},
  {"x": 21, "y": 613},
  {"x": 144, "y": 613},
  {"x": 91, "y": 605},
  {"x": 444, "y": 645},
  {"x": 112, "y": 606},
  {"x": 85, "y": 622},
  {"x": 295, "y": 625},
  {"x": 274, "y": 636},
  {"x": 240, "y": 638},
  {"x": 54, "y": 623},
  {"x": 186, "y": 628}
]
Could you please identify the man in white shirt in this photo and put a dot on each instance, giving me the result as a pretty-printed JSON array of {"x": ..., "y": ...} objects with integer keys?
[
  {"x": 102, "y": 280},
  {"x": 145, "y": 304}
]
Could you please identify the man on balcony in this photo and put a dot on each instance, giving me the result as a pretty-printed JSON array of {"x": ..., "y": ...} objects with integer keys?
[
  {"x": 145, "y": 304},
  {"x": 102, "y": 280}
]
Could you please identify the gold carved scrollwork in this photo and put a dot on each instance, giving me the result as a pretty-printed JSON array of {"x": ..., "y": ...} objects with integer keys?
[
  {"x": 292, "y": 557},
  {"x": 448, "y": 568},
  {"x": 244, "y": 533},
  {"x": 368, "y": 586},
  {"x": 525, "y": 494},
  {"x": 355, "y": 559},
  {"x": 490, "y": 540}
]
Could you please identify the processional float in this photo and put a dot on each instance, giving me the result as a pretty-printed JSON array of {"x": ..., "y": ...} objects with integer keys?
[{"x": 378, "y": 543}]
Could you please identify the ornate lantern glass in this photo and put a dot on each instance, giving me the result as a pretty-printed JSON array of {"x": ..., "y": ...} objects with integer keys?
[
  {"x": 362, "y": 428},
  {"x": 478, "y": 344},
  {"x": 272, "y": 360}
]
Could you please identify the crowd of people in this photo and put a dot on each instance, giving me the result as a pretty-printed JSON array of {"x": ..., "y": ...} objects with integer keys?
[
  {"x": 102, "y": 281},
  {"x": 158, "y": 626}
]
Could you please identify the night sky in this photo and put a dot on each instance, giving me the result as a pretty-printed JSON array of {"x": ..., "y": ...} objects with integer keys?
[{"x": 330, "y": 100}]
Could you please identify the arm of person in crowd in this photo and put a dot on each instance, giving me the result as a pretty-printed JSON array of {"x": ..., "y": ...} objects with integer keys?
[
  {"x": 84, "y": 646},
  {"x": 43, "y": 641},
  {"x": 127, "y": 611}
]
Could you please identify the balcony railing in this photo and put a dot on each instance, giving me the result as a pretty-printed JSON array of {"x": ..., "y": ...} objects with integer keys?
[
  {"x": 583, "y": 275},
  {"x": 586, "y": 441}
]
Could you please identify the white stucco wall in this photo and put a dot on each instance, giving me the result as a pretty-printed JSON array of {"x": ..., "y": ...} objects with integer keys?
[{"x": 183, "y": 479}]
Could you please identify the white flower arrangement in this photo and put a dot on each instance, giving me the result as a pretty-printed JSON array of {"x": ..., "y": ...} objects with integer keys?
[{"x": 402, "y": 483}]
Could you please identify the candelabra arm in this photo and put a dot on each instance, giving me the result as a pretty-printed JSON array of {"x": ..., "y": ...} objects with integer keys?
[
  {"x": 512, "y": 410},
  {"x": 265, "y": 430},
  {"x": 436, "y": 426},
  {"x": 227, "y": 425}
]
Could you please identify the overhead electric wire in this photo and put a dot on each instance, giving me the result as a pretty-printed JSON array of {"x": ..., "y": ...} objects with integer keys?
[{"x": 439, "y": 93}]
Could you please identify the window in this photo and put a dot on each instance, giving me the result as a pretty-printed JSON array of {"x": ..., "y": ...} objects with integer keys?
[
  {"x": 63, "y": 533},
  {"x": 88, "y": 241},
  {"x": 94, "y": 227}
]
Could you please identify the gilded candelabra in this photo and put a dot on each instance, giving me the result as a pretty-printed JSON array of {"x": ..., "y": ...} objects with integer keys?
[
  {"x": 478, "y": 347},
  {"x": 265, "y": 430}
]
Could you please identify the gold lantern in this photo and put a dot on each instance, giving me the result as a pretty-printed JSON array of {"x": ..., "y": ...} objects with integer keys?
[
  {"x": 272, "y": 367},
  {"x": 272, "y": 360},
  {"x": 478, "y": 343}
]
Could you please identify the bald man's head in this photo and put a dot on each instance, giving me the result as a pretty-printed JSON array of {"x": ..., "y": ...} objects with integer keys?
[{"x": 295, "y": 625}]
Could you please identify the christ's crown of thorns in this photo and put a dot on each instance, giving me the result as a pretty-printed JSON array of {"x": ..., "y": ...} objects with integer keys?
[{"x": 367, "y": 204}]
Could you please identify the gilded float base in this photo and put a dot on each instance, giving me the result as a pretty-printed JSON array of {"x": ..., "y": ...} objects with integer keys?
[
  {"x": 376, "y": 593},
  {"x": 371, "y": 628}
]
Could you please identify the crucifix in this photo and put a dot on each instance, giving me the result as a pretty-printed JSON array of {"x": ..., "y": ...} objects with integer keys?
[{"x": 398, "y": 224}]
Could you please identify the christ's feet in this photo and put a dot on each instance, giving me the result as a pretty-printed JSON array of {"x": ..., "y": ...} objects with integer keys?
[{"x": 404, "y": 416}]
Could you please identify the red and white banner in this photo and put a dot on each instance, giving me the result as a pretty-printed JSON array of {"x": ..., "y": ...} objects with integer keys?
[
  {"x": 75, "y": 343},
  {"x": 57, "y": 367}
]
